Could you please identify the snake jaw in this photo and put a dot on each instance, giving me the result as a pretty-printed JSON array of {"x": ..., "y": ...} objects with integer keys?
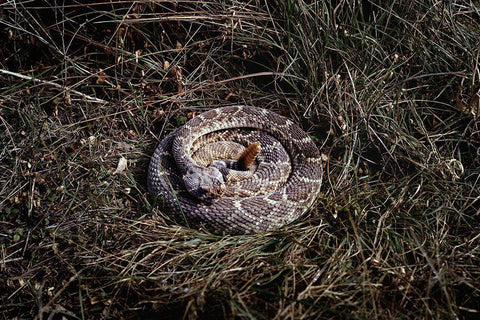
[{"x": 204, "y": 183}]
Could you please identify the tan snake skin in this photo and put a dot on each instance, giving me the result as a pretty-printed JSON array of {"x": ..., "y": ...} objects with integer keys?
[{"x": 279, "y": 187}]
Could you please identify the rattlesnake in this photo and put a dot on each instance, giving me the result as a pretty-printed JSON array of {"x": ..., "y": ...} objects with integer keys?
[{"x": 276, "y": 189}]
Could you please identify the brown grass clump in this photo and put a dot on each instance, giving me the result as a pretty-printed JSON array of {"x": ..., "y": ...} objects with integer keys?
[{"x": 389, "y": 91}]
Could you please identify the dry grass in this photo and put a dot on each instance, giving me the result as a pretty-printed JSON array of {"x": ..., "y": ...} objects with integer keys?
[{"x": 389, "y": 90}]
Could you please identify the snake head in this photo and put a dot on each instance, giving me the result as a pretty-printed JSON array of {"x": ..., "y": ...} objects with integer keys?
[{"x": 204, "y": 183}]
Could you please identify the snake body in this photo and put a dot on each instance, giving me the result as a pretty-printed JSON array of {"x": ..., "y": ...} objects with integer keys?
[{"x": 279, "y": 187}]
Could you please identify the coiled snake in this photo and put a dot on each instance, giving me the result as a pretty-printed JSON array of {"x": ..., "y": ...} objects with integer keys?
[{"x": 200, "y": 183}]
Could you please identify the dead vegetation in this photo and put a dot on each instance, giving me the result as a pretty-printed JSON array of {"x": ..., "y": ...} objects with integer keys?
[{"x": 388, "y": 90}]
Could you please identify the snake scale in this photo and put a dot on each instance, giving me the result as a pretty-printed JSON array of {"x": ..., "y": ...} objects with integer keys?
[{"x": 193, "y": 171}]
